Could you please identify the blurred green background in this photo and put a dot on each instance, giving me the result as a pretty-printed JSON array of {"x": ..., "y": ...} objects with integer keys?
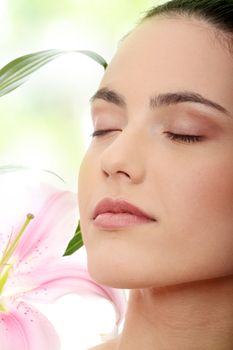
[{"x": 46, "y": 122}]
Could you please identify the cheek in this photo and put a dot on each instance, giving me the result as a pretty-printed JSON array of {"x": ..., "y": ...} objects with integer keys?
[
  {"x": 199, "y": 218},
  {"x": 197, "y": 183},
  {"x": 88, "y": 185},
  {"x": 85, "y": 184},
  {"x": 208, "y": 190}
]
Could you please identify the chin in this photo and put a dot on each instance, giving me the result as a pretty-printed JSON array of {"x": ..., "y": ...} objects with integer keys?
[
  {"x": 110, "y": 277},
  {"x": 105, "y": 275},
  {"x": 119, "y": 277}
]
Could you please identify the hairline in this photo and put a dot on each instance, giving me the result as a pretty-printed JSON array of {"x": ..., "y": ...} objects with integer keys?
[{"x": 222, "y": 36}]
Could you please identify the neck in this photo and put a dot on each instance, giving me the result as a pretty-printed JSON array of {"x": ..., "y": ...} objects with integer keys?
[{"x": 196, "y": 315}]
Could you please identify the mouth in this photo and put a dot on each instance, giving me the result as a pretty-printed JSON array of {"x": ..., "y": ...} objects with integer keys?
[{"x": 111, "y": 214}]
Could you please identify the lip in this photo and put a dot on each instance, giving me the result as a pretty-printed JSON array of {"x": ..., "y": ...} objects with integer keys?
[{"x": 112, "y": 214}]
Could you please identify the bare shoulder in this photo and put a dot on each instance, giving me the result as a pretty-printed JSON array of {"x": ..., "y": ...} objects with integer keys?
[{"x": 109, "y": 345}]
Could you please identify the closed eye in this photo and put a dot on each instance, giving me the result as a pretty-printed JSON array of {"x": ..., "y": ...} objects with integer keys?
[
  {"x": 101, "y": 132},
  {"x": 174, "y": 137},
  {"x": 184, "y": 138}
]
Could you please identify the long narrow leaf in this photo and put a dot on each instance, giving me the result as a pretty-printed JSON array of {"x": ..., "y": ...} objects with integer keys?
[
  {"x": 75, "y": 243},
  {"x": 11, "y": 168},
  {"x": 95, "y": 56},
  {"x": 17, "y": 72}
]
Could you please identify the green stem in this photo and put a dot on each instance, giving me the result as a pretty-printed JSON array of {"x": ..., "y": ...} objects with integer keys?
[
  {"x": 8, "y": 253},
  {"x": 4, "y": 278},
  {"x": 2, "y": 308}
]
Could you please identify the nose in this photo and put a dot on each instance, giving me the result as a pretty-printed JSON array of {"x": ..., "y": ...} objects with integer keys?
[{"x": 123, "y": 158}]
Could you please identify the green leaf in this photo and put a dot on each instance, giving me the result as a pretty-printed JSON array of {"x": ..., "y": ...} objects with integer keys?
[
  {"x": 11, "y": 168},
  {"x": 78, "y": 229},
  {"x": 17, "y": 72},
  {"x": 75, "y": 243},
  {"x": 95, "y": 56}
]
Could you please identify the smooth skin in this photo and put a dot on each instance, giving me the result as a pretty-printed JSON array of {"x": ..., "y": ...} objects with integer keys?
[{"x": 180, "y": 267}]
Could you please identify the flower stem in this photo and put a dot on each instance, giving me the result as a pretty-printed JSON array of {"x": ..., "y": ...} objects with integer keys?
[
  {"x": 9, "y": 252},
  {"x": 5, "y": 268},
  {"x": 4, "y": 278},
  {"x": 2, "y": 308}
]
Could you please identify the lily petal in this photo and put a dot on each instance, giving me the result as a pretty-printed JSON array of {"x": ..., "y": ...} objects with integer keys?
[
  {"x": 54, "y": 224},
  {"x": 55, "y": 220},
  {"x": 25, "y": 328},
  {"x": 65, "y": 276},
  {"x": 40, "y": 271}
]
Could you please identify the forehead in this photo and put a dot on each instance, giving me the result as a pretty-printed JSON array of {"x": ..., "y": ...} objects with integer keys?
[{"x": 168, "y": 54}]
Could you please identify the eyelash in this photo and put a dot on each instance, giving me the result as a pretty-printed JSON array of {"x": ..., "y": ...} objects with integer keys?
[
  {"x": 184, "y": 138},
  {"x": 170, "y": 135},
  {"x": 99, "y": 133}
]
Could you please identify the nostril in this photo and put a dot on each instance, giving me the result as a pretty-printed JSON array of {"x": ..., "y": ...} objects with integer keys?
[
  {"x": 123, "y": 172},
  {"x": 108, "y": 173}
]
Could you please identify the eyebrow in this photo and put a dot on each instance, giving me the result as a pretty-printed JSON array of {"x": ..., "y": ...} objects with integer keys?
[
  {"x": 159, "y": 100},
  {"x": 110, "y": 96}
]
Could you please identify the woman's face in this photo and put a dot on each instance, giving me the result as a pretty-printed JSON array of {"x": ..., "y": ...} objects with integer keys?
[{"x": 174, "y": 77}]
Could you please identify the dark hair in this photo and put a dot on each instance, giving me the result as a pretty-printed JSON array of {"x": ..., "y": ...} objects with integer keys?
[{"x": 219, "y": 13}]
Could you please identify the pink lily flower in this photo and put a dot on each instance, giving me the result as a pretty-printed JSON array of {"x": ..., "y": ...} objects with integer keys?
[{"x": 32, "y": 267}]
